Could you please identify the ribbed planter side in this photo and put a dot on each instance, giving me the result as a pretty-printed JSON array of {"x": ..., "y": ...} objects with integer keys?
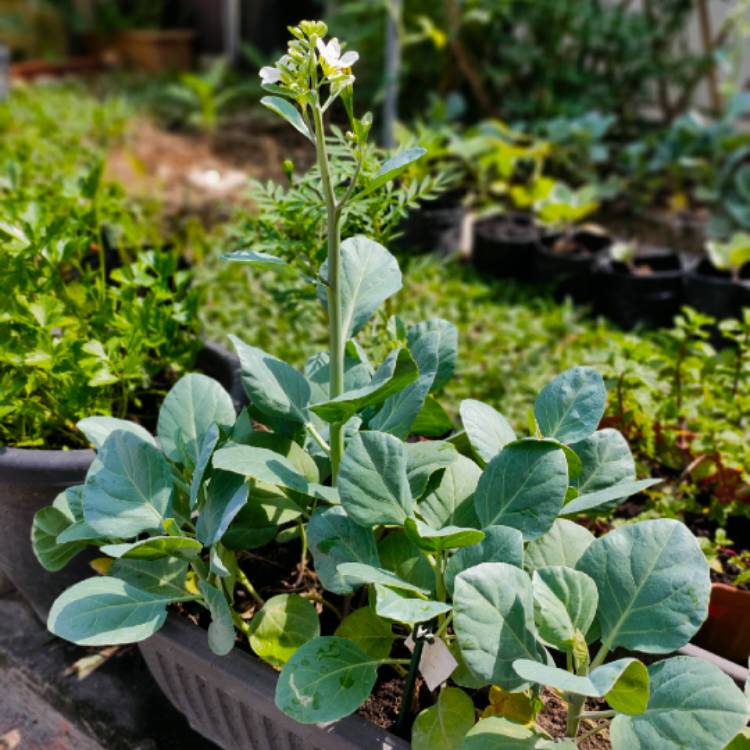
[
  {"x": 31, "y": 479},
  {"x": 230, "y": 699}
]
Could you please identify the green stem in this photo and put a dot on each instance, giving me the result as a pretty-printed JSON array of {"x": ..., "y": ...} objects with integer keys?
[
  {"x": 336, "y": 333},
  {"x": 242, "y": 625},
  {"x": 317, "y": 437},
  {"x": 408, "y": 694},
  {"x": 574, "y": 709},
  {"x": 244, "y": 581},
  {"x": 597, "y": 714}
]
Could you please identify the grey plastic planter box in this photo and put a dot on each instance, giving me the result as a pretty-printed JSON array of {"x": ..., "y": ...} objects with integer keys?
[
  {"x": 230, "y": 699},
  {"x": 30, "y": 479}
]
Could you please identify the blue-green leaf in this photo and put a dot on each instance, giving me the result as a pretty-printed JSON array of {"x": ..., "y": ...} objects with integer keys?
[
  {"x": 226, "y": 495},
  {"x": 98, "y": 429},
  {"x": 156, "y": 547},
  {"x": 393, "y": 168},
  {"x": 406, "y": 608},
  {"x": 221, "y": 630},
  {"x": 289, "y": 112},
  {"x": 488, "y": 430}
]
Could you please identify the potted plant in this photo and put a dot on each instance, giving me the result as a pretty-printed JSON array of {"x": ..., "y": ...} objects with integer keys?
[
  {"x": 82, "y": 333},
  {"x": 636, "y": 284},
  {"x": 567, "y": 251},
  {"x": 719, "y": 285},
  {"x": 461, "y": 564}
]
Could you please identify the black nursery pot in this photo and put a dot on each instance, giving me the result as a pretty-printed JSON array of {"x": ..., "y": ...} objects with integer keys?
[
  {"x": 504, "y": 246},
  {"x": 571, "y": 270},
  {"x": 435, "y": 226},
  {"x": 30, "y": 479},
  {"x": 715, "y": 293},
  {"x": 652, "y": 296},
  {"x": 230, "y": 699}
]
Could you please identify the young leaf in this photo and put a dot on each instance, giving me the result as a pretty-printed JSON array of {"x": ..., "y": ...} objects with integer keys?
[
  {"x": 606, "y": 461},
  {"x": 165, "y": 577},
  {"x": 367, "y": 574},
  {"x": 105, "y": 611},
  {"x": 372, "y": 481},
  {"x": 371, "y": 633},
  {"x": 281, "y": 626},
  {"x": 692, "y": 704},
  {"x": 128, "y": 488},
  {"x": 221, "y": 630},
  {"x": 405, "y": 608},
  {"x": 398, "y": 370},
  {"x": 447, "y": 347},
  {"x": 226, "y": 495},
  {"x": 496, "y": 733},
  {"x": 326, "y": 679},
  {"x": 289, "y": 112},
  {"x": 193, "y": 405},
  {"x": 433, "y": 540},
  {"x": 393, "y": 168},
  {"x": 452, "y": 501},
  {"x": 523, "y": 487},
  {"x": 259, "y": 260},
  {"x": 494, "y": 622},
  {"x": 98, "y": 429},
  {"x": 48, "y": 523},
  {"x": 570, "y": 408},
  {"x": 563, "y": 544},
  {"x": 334, "y": 539},
  {"x": 205, "y": 452},
  {"x": 369, "y": 275},
  {"x": 424, "y": 460},
  {"x": 155, "y": 548},
  {"x": 274, "y": 387},
  {"x": 488, "y": 430},
  {"x": 593, "y": 500},
  {"x": 500, "y": 544},
  {"x": 444, "y": 725},
  {"x": 401, "y": 556},
  {"x": 565, "y": 602},
  {"x": 653, "y": 583}
]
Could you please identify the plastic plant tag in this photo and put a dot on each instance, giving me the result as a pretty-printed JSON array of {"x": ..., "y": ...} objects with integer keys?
[{"x": 437, "y": 663}]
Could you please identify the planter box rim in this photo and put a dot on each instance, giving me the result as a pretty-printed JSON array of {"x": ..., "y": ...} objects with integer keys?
[{"x": 240, "y": 677}]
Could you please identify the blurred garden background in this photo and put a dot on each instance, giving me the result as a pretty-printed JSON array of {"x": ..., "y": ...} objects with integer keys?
[{"x": 585, "y": 199}]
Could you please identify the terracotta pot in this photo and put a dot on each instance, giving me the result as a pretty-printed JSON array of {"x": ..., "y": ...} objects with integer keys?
[
  {"x": 727, "y": 630},
  {"x": 157, "y": 51},
  {"x": 30, "y": 69},
  {"x": 230, "y": 699},
  {"x": 30, "y": 479}
]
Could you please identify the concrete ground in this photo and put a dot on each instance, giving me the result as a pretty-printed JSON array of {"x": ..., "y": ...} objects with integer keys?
[{"x": 44, "y": 705}]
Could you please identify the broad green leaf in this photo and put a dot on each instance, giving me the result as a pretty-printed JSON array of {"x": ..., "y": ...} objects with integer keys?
[
  {"x": 500, "y": 544},
  {"x": 494, "y": 622},
  {"x": 334, "y": 539},
  {"x": 452, "y": 501},
  {"x": 274, "y": 387},
  {"x": 369, "y": 275},
  {"x": 48, "y": 523},
  {"x": 570, "y": 408},
  {"x": 194, "y": 403},
  {"x": 264, "y": 465},
  {"x": 653, "y": 583},
  {"x": 372, "y": 481},
  {"x": 497, "y": 733},
  {"x": 367, "y": 574},
  {"x": 606, "y": 460},
  {"x": 371, "y": 633},
  {"x": 401, "y": 556},
  {"x": 357, "y": 374},
  {"x": 625, "y": 682},
  {"x": 226, "y": 495},
  {"x": 398, "y": 370},
  {"x": 281, "y": 626},
  {"x": 70, "y": 502},
  {"x": 128, "y": 488},
  {"x": 165, "y": 576},
  {"x": 447, "y": 347},
  {"x": 289, "y": 112},
  {"x": 593, "y": 500},
  {"x": 221, "y": 630},
  {"x": 401, "y": 410},
  {"x": 156, "y": 547},
  {"x": 444, "y": 725},
  {"x": 432, "y": 420},
  {"x": 205, "y": 452},
  {"x": 326, "y": 679},
  {"x": 405, "y": 608},
  {"x": 98, "y": 429},
  {"x": 563, "y": 544},
  {"x": 261, "y": 261},
  {"x": 424, "y": 460},
  {"x": 433, "y": 540},
  {"x": 565, "y": 602},
  {"x": 392, "y": 168},
  {"x": 260, "y": 518},
  {"x": 692, "y": 705},
  {"x": 523, "y": 487},
  {"x": 105, "y": 611},
  {"x": 488, "y": 430}
]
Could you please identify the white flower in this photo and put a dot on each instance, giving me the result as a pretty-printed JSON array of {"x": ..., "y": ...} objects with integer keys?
[
  {"x": 269, "y": 75},
  {"x": 331, "y": 54}
]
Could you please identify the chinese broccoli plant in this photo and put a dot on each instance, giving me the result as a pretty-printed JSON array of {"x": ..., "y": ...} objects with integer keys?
[{"x": 463, "y": 550}]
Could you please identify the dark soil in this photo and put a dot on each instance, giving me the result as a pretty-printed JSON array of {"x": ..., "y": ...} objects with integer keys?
[
  {"x": 508, "y": 228},
  {"x": 552, "y": 719}
]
